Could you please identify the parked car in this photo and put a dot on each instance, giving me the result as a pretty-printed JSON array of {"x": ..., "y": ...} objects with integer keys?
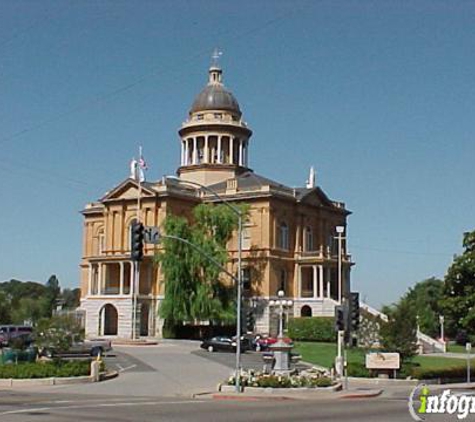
[
  {"x": 10, "y": 332},
  {"x": 216, "y": 344},
  {"x": 90, "y": 347},
  {"x": 263, "y": 343}
]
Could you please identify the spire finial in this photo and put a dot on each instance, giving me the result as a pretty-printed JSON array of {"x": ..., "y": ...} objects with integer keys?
[
  {"x": 215, "y": 57},
  {"x": 311, "y": 179}
]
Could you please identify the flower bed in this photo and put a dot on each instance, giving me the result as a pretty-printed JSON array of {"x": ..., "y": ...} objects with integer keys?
[{"x": 312, "y": 378}]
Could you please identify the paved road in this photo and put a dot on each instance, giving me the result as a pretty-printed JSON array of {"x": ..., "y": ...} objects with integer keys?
[
  {"x": 156, "y": 384},
  {"x": 249, "y": 360},
  {"x": 16, "y": 407}
]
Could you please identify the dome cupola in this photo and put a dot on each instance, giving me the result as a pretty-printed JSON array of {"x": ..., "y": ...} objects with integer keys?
[
  {"x": 215, "y": 96},
  {"x": 214, "y": 138}
]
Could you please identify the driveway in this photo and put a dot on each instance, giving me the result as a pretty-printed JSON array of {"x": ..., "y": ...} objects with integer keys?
[{"x": 167, "y": 369}]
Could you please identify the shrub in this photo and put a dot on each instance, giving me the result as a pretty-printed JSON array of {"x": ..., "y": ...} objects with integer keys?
[
  {"x": 357, "y": 369},
  {"x": 45, "y": 369},
  {"x": 312, "y": 329},
  {"x": 450, "y": 373},
  {"x": 323, "y": 382},
  {"x": 462, "y": 337}
]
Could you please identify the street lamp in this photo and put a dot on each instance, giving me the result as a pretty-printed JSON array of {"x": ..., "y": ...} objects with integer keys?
[
  {"x": 281, "y": 303},
  {"x": 238, "y": 212},
  {"x": 339, "y": 357},
  {"x": 280, "y": 348},
  {"x": 339, "y": 230},
  {"x": 441, "y": 322}
]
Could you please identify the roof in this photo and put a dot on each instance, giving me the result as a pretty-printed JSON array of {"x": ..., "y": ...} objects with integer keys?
[{"x": 215, "y": 97}]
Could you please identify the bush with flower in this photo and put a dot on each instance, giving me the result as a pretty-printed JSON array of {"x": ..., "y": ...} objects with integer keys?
[{"x": 311, "y": 378}]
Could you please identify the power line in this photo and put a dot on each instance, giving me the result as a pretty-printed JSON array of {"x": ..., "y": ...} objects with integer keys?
[
  {"x": 399, "y": 251},
  {"x": 127, "y": 87}
]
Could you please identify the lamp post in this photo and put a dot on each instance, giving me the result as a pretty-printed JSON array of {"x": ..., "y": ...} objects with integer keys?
[
  {"x": 339, "y": 358},
  {"x": 281, "y": 303},
  {"x": 281, "y": 349},
  {"x": 441, "y": 322},
  {"x": 340, "y": 230},
  {"x": 238, "y": 212}
]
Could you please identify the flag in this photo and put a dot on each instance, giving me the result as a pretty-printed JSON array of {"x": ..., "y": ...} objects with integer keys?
[
  {"x": 133, "y": 169},
  {"x": 142, "y": 166}
]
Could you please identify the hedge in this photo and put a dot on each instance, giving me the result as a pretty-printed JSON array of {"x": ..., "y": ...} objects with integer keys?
[
  {"x": 45, "y": 369},
  {"x": 312, "y": 329},
  {"x": 449, "y": 373}
]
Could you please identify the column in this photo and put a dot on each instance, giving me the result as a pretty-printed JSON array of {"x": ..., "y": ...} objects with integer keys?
[
  {"x": 182, "y": 160},
  {"x": 131, "y": 284},
  {"x": 121, "y": 278},
  {"x": 320, "y": 279},
  {"x": 187, "y": 152},
  {"x": 329, "y": 293},
  {"x": 231, "y": 149},
  {"x": 314, "y": 267},
  {"x": 89, "y": 288},
  {"x": 195, "y": 150},
  {"x": 245, "y": 154},
  {"x": 240, "y": 152},
  {"x": 101, "y": 278},
  {"x": 206, "y": 152},
  {"x": 219, "y": 150},
  {"x": 299, "y": 281}
]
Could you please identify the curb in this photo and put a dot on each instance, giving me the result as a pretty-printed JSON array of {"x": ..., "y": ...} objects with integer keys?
[
  {"x": 218, "y": 396},
  {"x": 48, "y": 382},
  {"x": 361, "y": 395},
  {"x": 136, "y": 343}
]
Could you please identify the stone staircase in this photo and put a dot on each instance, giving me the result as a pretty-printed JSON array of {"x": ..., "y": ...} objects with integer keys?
[{"x": 425, "y": 344}]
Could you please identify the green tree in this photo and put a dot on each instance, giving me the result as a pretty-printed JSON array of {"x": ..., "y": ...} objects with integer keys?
[
  {"x": 425, "y": 299},
  {"x": 399, "y": 334},
  {"x": 30, "y": 310},
  {"x": 58, "y": 332},
  {"x": 71, "y": 298},
  {"x": 52, "y": 292},
  {"x": 458, "y": 301},
  {"x": 194, "y": 288},
  {"x": 5, "y": 308}
]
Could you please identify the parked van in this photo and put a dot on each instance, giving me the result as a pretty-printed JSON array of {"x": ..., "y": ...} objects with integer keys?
[{"x": 9, "y": 332}]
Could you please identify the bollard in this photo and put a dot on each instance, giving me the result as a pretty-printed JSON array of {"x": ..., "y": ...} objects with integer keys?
[{"x": 95, "y": 369}]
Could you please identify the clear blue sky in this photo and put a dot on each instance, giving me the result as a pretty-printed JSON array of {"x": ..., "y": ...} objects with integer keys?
[{"x": 379, "y": 96}]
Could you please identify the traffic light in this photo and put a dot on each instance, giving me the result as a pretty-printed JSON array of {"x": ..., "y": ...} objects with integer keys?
[
  {"x": 339, "y": 318},
  {"x": 250, "y": 321},
  {"x": 136, "y": 247},
  {"x": 354, "y": 311}
]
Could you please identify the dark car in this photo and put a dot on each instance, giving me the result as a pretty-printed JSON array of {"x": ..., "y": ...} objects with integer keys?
[
  {"x": 11, "y": 332},
  {"x": 216, "y": 344}
]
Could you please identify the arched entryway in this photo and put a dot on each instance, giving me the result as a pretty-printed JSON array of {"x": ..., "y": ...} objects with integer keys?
[
  {"x": 144, "y": 314},
  {"x": 108, "y": 318},
  {"x": 306, "y": 311}
]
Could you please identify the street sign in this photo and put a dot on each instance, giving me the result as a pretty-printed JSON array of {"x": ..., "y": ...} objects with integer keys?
[
  {"x": 383, "y": 361},
  {"x": 151, "y": 235}
]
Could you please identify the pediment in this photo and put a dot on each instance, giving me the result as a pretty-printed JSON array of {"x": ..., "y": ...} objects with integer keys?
[
  {"x": 129, "y": 189},
  {"x": 317, "y": 198}
]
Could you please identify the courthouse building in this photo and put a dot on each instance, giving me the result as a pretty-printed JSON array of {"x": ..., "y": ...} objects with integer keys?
[{"x": 289, "y": 241}]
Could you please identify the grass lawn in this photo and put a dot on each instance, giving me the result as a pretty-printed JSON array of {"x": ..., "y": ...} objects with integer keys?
[
  {"x": 456, "y": 348},
  {"x": 324, "y": 354}
]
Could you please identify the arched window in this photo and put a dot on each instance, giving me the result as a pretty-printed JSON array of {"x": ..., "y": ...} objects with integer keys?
[
  {"x": 309, "y": 240},
  {"x": 284, "y": 236},
  {"x": 306, "y": 311},
  {"x": 108, "y": 321}
]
